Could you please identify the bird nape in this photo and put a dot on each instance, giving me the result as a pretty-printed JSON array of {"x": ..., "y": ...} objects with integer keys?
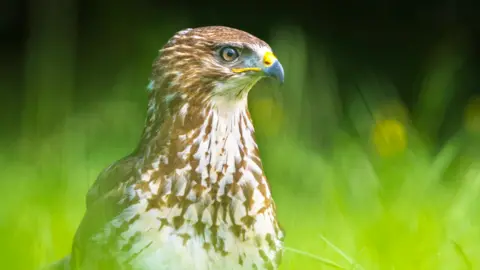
[{"x": 193, "y": 195}]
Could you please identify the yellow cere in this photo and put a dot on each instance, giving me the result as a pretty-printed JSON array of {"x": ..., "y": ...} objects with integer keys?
[{"x": 269, "y": 58}]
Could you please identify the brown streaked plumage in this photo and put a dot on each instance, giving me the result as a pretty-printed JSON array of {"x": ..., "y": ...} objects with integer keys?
[{"x": 193, "y": 194}]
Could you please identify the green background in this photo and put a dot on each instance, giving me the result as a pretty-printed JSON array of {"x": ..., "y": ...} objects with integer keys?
[{"x": 372, "y": 155}]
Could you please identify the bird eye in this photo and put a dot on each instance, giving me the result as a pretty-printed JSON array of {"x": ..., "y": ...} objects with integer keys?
[{"x": 229, "y": 54}]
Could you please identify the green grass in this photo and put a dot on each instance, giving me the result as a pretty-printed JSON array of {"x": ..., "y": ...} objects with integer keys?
[{"x": 344, "y": 196}]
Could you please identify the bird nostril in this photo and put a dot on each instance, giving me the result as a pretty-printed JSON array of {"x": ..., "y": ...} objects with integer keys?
[{"x": 268, "y": 59}]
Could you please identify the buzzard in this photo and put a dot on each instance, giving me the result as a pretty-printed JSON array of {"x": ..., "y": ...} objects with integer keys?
[{"x": 193, "y": 194}]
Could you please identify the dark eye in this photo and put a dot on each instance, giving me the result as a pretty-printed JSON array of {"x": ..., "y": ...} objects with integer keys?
[{"x": 229, "y": 54}]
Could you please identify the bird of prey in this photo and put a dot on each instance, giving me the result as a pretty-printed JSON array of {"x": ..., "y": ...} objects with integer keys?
[{"x": 193, "y": 194}]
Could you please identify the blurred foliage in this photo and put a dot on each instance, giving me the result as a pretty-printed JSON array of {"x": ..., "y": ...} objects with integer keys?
[{"x": 360, "y": 181}]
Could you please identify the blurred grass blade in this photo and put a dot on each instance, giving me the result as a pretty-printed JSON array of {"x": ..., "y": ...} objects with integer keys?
[
  {"x": 316, "y": 257},
  {"x": 462, "y": 254},
  {"x": 343, "y": 254}
]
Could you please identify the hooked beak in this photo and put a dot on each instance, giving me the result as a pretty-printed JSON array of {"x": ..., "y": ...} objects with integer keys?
[{"x": 273, "y": 68}]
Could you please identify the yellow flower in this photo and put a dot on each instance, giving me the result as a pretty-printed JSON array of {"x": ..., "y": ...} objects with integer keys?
[{"x": 389, "y": 137}]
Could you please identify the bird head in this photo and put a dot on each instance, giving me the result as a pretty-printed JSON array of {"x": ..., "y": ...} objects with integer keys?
[{"x": 213, "y": 64}]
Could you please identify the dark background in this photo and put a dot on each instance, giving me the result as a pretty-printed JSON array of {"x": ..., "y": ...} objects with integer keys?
[{"x": 389, "y": 37}]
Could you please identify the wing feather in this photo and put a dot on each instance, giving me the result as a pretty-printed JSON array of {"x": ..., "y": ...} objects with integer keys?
[{"x": 103, "y": 204}]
